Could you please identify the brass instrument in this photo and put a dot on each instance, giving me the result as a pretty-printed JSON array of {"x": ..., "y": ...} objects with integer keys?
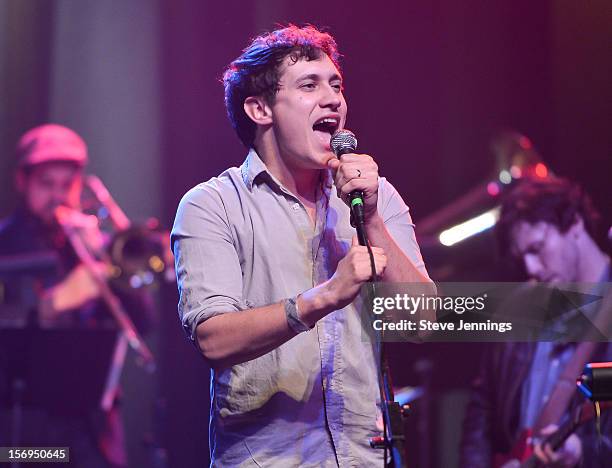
[
  {"x": 138, "y": 255},
  {"x": 135, "y": 257}
]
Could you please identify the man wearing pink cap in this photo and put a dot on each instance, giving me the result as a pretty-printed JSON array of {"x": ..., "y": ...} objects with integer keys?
[{"x": 50, "y": 163}]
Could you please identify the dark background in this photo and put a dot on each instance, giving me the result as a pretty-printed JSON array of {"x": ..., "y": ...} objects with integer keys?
[{"x": 428, "y": 85}]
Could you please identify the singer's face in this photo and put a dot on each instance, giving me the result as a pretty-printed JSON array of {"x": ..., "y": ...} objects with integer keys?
[
  {"x": 309, "y": 106},
  {"x": 49, "y": 185},
  {"x": 548, "y": 255}
]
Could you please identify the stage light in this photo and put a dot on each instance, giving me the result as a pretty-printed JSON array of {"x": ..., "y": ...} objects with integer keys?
[
  {"x": 493, "y": 189},
  {"x": 505, "y": 177},
  {"x": 541, "y": 170},
  {"x": 469, "y": 228},
  {"x": 516, "y": 172}
]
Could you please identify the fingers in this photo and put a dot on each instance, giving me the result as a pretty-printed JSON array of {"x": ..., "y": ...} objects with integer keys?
[
  {"x": 380, "y": 262},
  {"x": 88, "y": 273},
  {"x": 361, "y": 171},
  {"x": 551, "y": 455},
  {"x": 354, "y": 270},
  {"x": 103, "y": 269},
  {"x": 357, "y": 184},
  {"x": 362, "y": 248},
  {"x": 544, "y": 451},
  {"x": 361, "y": 266},
  {"x": 355, "y": 158},
  {"x": 354, "y": 172},
  {"x": 567, "y": 456},
  {"x": 333, "y": 164},
  {"x": 540, "y": 453}
]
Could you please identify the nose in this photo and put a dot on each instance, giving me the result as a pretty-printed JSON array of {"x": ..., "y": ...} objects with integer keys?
[
  {"x": 533, "y": 266},
  {"x": 331, "y": 98},
  {"x": 59, "y": 196}
]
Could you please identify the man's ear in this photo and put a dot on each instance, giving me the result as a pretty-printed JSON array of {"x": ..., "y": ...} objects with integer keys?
[{"x": 258, "y": 110}]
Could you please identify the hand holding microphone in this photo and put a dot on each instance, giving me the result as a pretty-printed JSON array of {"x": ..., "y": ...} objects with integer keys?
[{"x": 355, "y": 176}]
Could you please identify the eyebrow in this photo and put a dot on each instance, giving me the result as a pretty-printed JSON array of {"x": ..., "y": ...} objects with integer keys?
[
  {"x": 317, "y": 77},
  {"x": 534, "y": 244}
]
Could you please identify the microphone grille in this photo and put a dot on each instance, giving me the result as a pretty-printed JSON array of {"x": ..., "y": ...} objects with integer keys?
[{"x": 343, "y": 141}]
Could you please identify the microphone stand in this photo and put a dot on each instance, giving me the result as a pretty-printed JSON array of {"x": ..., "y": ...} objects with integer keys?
[{"x": 394, "y": 437}]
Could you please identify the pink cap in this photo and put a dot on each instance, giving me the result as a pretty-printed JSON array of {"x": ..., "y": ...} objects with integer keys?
[{"x": 51, "y": 142}]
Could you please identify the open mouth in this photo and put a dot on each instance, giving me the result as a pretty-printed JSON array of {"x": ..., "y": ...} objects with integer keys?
[{"x": 325, "y": 127}]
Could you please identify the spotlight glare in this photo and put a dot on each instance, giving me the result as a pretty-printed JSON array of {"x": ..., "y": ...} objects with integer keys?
[
  {"x": 541, "y": 170},
  {"x": 493, "y": 189},
  {"x": 516, "y": 172},
  {"x": 469, "y": 228},
  {"x": 505, "y": 177}
]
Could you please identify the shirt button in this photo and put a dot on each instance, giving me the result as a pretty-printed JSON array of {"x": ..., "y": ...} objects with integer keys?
[{"x": 295, "y": 206}]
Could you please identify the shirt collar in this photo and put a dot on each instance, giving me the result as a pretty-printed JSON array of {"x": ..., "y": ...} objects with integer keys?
[
  {"x": 327, "y": 179},
  {"x": 253, "y": 166}
]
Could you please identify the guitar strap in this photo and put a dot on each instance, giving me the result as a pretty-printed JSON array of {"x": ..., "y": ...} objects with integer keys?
[{"x": 565, "y": 388}]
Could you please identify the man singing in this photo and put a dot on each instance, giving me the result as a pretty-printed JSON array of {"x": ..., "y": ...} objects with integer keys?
[{"x": 269, "y": 267}]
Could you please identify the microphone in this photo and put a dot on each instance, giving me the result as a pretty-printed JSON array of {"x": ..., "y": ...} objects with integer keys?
[{"x": 343, "y": 142}]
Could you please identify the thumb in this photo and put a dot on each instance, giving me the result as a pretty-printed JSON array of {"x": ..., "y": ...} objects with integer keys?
[
  {"x": 354, "y": 241},
  {"x": 333, "y": 164}
]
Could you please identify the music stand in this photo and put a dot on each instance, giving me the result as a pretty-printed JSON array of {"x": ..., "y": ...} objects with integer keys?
[{"x": 57, "y": 370}]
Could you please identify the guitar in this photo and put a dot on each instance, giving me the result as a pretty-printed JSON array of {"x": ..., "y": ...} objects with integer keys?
[{"x": 523, "y": 449}]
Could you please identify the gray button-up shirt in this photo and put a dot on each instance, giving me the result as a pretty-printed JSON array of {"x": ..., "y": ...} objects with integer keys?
[{"x": 242, "y": 240}]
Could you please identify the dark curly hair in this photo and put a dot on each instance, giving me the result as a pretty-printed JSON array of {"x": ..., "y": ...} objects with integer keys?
[
  {"x": 256, "y": 71},
  {"x": 556, "y": 201}
]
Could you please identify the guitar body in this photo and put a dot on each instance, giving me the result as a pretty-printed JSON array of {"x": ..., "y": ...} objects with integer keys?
[{"x": 522, "y": 451}]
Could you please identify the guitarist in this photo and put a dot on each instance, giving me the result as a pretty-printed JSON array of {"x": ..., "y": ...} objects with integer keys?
[{"x": 549, "y": 226}]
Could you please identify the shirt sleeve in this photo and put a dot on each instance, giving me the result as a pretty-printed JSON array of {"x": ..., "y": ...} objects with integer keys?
[
  {"x": 207, "y": 265},
  {"x": 397, "y": 219}
]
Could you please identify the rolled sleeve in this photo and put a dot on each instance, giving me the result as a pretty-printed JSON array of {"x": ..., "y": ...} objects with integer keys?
[
  {"x": 208, "y": 270},
  {"x": 397, "y": 219}
]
